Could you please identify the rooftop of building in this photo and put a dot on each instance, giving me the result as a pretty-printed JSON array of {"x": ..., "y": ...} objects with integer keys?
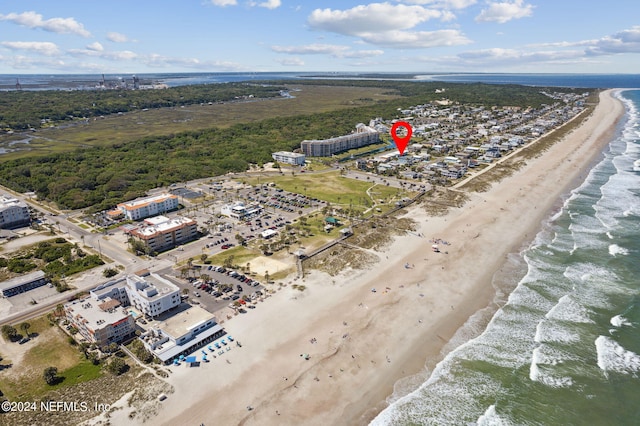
[
  {"x": 289, "y": 154},
  {"x": 151, "y": 287},
  {"x": 7, "y": 201},
  {"x": 97, "y": 314},
  {"x": 179, "y": 324},
  {"x": 141, "y": 202},
  {"x": 23, "y": 279},
  {"x": 162, "y": 224}
]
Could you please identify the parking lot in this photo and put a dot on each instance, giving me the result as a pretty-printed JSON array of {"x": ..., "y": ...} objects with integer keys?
[{"x": 220, "y": 288}]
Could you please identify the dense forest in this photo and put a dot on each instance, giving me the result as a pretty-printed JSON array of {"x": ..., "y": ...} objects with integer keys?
[
  {"x": 20, "y": 110},
  {"x": 102, "y": 177}
]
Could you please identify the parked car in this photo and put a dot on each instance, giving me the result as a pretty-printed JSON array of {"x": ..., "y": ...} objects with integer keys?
[{"x": 239, "y": 287}]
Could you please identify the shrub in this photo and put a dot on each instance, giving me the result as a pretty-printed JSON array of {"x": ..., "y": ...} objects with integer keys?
[
  {"x": 117, "y": 366},
  {"x": 50, "y": 375}
]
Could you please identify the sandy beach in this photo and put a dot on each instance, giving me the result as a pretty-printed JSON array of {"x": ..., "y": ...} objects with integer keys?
[{"x": 361, "y": 342}]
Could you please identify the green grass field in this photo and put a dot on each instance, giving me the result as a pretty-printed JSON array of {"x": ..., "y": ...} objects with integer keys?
[
  {"x": 48, "y": 349},
  {"x": 333, "y": 188}
]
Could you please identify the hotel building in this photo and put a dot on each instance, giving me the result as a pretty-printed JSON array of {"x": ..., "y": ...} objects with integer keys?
[
  {"x": 289, "y": 158},
  {"x": 13, "y": 213},
  {"x": 161, "y": 233},
  {"x": 100, "y": 321},
  {"x": 150, "y": 294},
  {"x": 364, "y": 135},
  {"x": 149, "y": 206}
]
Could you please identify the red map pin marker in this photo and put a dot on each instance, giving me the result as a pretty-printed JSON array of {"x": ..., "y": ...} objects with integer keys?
[{"x": 401, "y": 142}]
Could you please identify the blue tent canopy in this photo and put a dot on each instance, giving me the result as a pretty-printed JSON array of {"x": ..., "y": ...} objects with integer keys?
[{"x": 190, "y": 359}]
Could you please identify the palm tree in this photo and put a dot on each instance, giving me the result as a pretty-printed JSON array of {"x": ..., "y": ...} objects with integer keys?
[{"x": 25, "y": 328}]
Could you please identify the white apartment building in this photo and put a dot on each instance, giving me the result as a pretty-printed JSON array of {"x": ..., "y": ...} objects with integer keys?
[
  {"x": 149, "y": 206},
  {"x": 151, "y": 294},
  {"x": 102, "y": 321},
  {"x": 289, "y": 158},
  {"x": 161, "y": 233},
  {"x": 13, "y": 212},
  {"x": 364, "y": 135}
]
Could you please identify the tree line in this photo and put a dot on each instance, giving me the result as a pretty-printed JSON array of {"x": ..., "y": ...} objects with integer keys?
[{"x": 20, "y": 110}]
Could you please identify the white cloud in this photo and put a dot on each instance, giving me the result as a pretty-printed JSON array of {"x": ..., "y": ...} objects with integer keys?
[
  {"x": 444, "y": 4},
  {"x": 361, "y": 53},
  {"x": 291, "y": 62},
  {"x": 95, "y": 46},
  {"x": 625, "y": 41},
  {"x": 310, "y": 49},
  {"x": 42, "y": 47},
  {"x": 379, "y": 16},
  {"x": 55, "y": 25},
  {"x": 336, "y": 51},
  {"x": 505, "y": 12},
  {"x": 117, "y": 37},
  {"x": 384, "y": 24},
  {"x": 160, "y": 61},
  {"x": 269, "y": 4},
  {"x": 224, "y": 3},
  {"x": 416, "y": 39},
  {"x": 123, "y": 55}
]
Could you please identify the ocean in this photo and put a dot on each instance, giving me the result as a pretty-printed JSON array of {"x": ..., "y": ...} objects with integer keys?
[
  {"x": 564, "y": 347},
  {"x": 92, "y": 81}
]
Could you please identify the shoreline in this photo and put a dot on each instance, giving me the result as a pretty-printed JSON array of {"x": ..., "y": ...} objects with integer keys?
[
  {"x": 368, "y": 341},
  {"x": 602, "y": 140}
]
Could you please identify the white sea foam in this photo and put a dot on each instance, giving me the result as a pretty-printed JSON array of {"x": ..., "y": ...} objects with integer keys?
[
  {"x": 612, "y": 357},
  {"x": 615, "y": 250},
  {"x": 567, "y": 309},
  {"x": 619, "y": 321},
  {"x": 551, "y": 331},
  {"x": 491, "y": 418},
  {"x": 541, "y": 368}
]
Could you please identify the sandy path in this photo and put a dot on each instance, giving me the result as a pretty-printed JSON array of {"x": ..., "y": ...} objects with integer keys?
[{"x": 366, "y": 341}]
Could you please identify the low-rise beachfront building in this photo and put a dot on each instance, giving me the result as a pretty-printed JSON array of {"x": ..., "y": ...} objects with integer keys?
[
  {"x": 293, "y": 158},
  {"x": 364, "y": 135},
  {"x": 151, "y": 294},
  {"x": 141, "y": 208},
  {"x": 102, "y": 321},
  {"x": 161, "y": 233},
  {"x": 181, "y": 334},
  {"x": 240, "y": 211},
  {"x": 22, "y": 283},
  {"x": 13, "y": 213}
]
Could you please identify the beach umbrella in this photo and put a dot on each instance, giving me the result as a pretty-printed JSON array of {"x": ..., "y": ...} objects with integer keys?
[{"x": 230, "y": 338}]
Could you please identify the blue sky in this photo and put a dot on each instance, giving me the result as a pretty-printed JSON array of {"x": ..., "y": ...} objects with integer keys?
[{"x": 137, "y": 36}]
